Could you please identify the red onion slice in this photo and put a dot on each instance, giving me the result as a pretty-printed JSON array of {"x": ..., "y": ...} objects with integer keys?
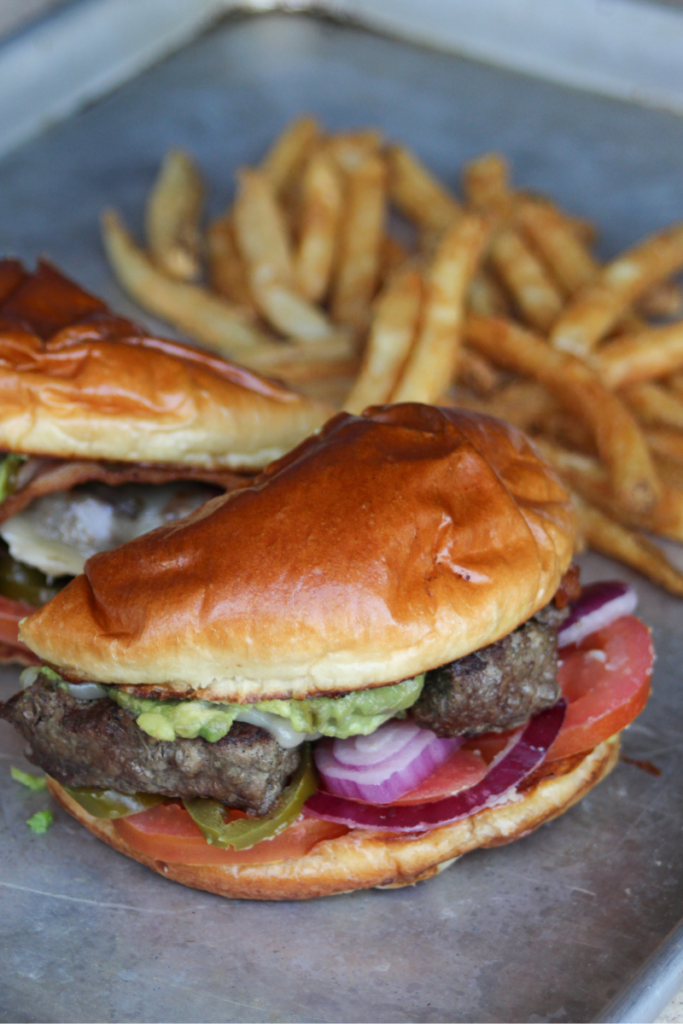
[
  {"x": 412, "y": 755},
  {"x": 362, "y": 751},
  {"x": 599, "y": 605},
  {"x": 524, "y": 753}
]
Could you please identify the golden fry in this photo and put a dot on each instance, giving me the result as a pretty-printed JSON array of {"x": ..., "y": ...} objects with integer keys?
[
  {"x": 654, "y": 405},
  {"x": 418, "y": 194},
  {"x": 486, "y": 297},
  {"x": 321, "y": 204},
  {"x": 172, "y": 215},
  {"x": 553, "y": 236},
  {"x": 618, "y": 437},
  {"x": 392, "y": 256},
  {"x": 665, "y": 442},
  {"x": 434, "y": 356},
  {"x": 524, "y": 403},
  {"x": 536, "y": 295},
  {"x": 664, "y": 300},
  {"x": 361, "y": 234},
  {"x": 646, "y": 355},
  {"x": 486, "y": 185},
  {"x": 263, "y": 245},
  {"x": 603, "y": 301},
  {"x": 610, "y": 538},
  {"x": 588, "y": 477},
  {"x": 393, "y": 329},
  {"x": 227, "y": 274},
  {"x": 350, "y": 149},
  {"x": 204, "y": 316},
  {"x": 288, "y": 153},
  {"x": 475, "y": 372}
]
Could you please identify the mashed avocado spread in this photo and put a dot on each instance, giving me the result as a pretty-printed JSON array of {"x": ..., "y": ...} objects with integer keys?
[{"x": 354, "y": 714}]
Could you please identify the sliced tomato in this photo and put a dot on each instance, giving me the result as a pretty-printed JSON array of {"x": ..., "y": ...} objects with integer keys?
[
  {"x": 11, "y": 614},
  {"x": 606, "y": 680},
  {"x": 168, "y": 833},
  {"x": 490, "y": 744},
  {"x": 463, "y": 769}
]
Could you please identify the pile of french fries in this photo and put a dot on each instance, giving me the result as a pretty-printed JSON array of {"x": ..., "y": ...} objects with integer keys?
[{"x": 343, "y": 259}]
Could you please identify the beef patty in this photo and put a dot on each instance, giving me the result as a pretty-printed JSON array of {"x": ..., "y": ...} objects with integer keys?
[
  {"x": 98, "y": 744},
  {"x": 498, "y": 687}
]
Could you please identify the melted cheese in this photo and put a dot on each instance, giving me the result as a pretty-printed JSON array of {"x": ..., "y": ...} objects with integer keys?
[{"x": 59, "y": 532}]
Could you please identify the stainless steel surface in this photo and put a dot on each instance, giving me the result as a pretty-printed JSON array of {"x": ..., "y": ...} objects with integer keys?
[
  {"x": 655, "y": 984},
  {"x": 550, "y": 928}
]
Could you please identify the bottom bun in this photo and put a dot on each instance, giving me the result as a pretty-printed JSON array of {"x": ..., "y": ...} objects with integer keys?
[{"x": 364, "y": 859}]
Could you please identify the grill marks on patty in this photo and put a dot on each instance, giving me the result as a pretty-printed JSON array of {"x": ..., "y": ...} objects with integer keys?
[
  {"x": 97, "y": 744},
  {"x": 498, "y": 687}
]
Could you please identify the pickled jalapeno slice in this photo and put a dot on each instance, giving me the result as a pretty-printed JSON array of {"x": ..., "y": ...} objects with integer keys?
[{"x": 209, "y": 815}]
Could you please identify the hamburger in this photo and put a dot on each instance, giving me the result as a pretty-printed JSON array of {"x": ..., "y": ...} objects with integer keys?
[
  {"x": 107, "y": 432},
  {"x": 344, "y": 675}
]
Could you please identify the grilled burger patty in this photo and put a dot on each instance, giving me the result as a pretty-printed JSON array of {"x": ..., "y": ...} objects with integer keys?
[
  {"x": 498, "y": 687},
  {"x": 97, "y": 744}
]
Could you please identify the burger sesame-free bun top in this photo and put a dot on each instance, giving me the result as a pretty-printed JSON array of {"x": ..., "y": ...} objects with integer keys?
[
  {"x": 78, "y": 382},
  {"x": 386, "y": 545}
]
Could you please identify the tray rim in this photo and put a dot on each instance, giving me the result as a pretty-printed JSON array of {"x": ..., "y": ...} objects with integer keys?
[{"x": 626, "y": 49}]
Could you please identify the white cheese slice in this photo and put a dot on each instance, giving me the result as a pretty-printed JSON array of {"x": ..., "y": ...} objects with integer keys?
[
  {"x": 279, "y": 728},
  {"x": 59, "y": 532}
]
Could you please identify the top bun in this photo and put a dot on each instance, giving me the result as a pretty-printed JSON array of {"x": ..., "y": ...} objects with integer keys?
[
  {"x": 389, "y": 544},
  {"x": 78, "y": 382}
]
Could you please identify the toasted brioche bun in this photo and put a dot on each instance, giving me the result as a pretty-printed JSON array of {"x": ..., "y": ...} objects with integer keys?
[
  {"x": 77, "y": 382},
  {"x": 363, "y": 859},
  {"x": 387, "y": 545}
]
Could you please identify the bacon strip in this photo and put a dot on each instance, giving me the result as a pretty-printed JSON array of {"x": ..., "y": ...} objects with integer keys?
[
  {"x": 11, "y": 647},
  {"x": 45, "y": 476}
]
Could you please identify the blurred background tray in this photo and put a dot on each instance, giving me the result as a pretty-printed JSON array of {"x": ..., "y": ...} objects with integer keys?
[{"x": 551, "y": 928}]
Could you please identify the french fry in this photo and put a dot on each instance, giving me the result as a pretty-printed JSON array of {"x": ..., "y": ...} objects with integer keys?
[
  {"x": 664, "y": 300},
  {"x": 394, "y": 324},
  {"x": 172, "y": 216},
  {"x": 204, "y": 316},
  {"x": 227, "y": 274},
  {"x": 526, "y": 279},
  {"x": 654, "y": 405},
  {"x": 362, "y": 230},
  {"x": 602, "y": 302},
  {"x": 474, "y": 371},
  {"x": 553, "y": 236},
  {"x": 524, "y": 403},
  {"x": 610, "y": 538},
  {"x": 417, "y": 194},
  {"x": 618, "y": 438},
  {"x": 587, "y": 476},
  {"x": 350, "y": 149},
  {"x": 263, "y": 244},
  {"x": 321, "y": 204},
  {"x": 392, "y": 256},
  {"x": 288, "y": 153},
  {"x": 646, "y": 355},
  {"x": 486, "y": 297},
  {"x": 670, "y": 471},
  {"x": 434, "y": 356},
  {"x": 581, "y": 227},
  {"x": 666, "y": 442},
  {"x": 486, "y": 187}
]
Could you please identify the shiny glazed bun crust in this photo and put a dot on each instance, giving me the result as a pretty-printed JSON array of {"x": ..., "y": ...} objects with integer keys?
[
  {"x": 363, "y": 859},
  {"x": 77, "y": 382},
  {"x": 388, "y": 544}
]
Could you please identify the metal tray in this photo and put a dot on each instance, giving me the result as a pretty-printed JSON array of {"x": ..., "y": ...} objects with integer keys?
[{"x": 550, "y": 928}]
